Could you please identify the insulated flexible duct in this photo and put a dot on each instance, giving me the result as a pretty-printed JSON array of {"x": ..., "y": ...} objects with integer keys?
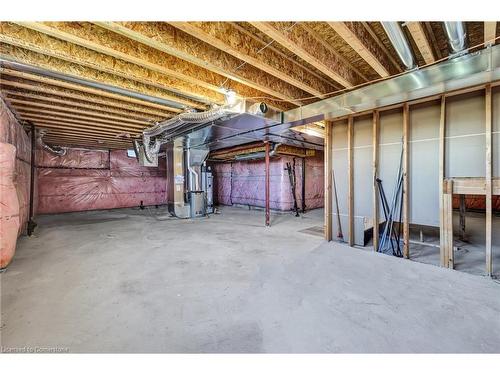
[{"x": 56, "y": 150}]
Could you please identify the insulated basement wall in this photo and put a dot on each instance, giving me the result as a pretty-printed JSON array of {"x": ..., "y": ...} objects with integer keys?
[
  {"x": 464, "y": 153},
  {"x": 243, "y": 182},
  {"x": 97, "y": 179},
  {"x": 12, "y": 132}
]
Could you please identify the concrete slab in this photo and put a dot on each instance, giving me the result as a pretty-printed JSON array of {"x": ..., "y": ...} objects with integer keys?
[{"x": 123, "y": 281}]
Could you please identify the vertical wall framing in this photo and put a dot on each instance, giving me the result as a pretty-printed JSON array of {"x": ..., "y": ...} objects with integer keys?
[
  {"x": 406, "y": 223},
  {"x": 442, "y": 133},
  {"x": 350, "y": 177},
  {"x": 328, "y": 180},
  {"x": 488, "y": 172},
  {"x": 376, "y": 220}
]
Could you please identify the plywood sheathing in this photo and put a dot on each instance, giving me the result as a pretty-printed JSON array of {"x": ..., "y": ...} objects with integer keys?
[
  {"x": 306, "y": 44},
  {"x": 378, "y": 32},
  {"x": 475, "y": 34},
  {"x": 55, "y": 54},
  {"x": 227, "y": 37},
  {"x": 191, "y": 77},
  {"x": 343, "y": 49},
  {"x": 441, "y": 42},
  {"x": 166, "y": 38},
  {"x": 265, "y": 40}
]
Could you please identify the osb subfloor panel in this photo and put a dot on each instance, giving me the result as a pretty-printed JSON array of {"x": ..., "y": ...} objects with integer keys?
[{"x": 123, "y": 281}]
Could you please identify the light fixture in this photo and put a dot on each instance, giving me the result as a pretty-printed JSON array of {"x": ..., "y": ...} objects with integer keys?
[{"x": 230, "y": 97}]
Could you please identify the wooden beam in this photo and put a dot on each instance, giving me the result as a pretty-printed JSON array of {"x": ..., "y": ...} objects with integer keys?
[
  {"x": 417, "y": 33},
  {"x": 78, "y": 139},
  {"x": 449, "y": 259},
  {"x": 169, "y": 39},
  {"x": 70, "y": 116},
  {"x": 82, "y": 135},
  {"x": 406, "y": 185},
  {"x": 68, "y": 121},
  {"x": 433, "y": 40},
  {"x": 77, "y": 104},
  {"x": 98, "y": 115},
  {"x": 375, "y": 192},
  {"x": 328, "y": 179},
  {"x": 83, "y": 128},
  {"x": 81, "y": 88},
  {"x": 488, "y": 180},
  {"x": 107, "y": 42},
  {"x": 395, "y": 63},
  {"x": 360, "y": 40},
  {"x": 51, "y": 92},
  {"x": 226, "y": 37},
  {"x": 490, "y": 32},
  {"x": 72, "y": 142},
  {"x": 304, "y": 45},
  {"x": 442, "y": 174},
  {"x": 23, "y": 109},
  {"x": 350, "y": 178},
  {"x": 92, "y": 63}
]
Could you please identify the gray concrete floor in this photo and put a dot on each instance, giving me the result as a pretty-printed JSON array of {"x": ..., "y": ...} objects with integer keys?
[
  {"x": 123, "y": 281},
  {"x": 470, "y": 256}
]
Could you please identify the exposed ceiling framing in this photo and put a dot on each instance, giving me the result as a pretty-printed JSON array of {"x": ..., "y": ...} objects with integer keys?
[{"x": 191, "y": 65}]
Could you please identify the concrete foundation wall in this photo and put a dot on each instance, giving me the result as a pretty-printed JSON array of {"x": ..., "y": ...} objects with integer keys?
[{"x": 243, "y": 182}]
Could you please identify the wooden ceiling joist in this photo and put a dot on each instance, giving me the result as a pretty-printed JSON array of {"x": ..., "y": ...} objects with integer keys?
[
  {"x": 75, "y": 142},
  {"x": 105, "y": 41},
  {"x": 490, "y": 31},
  {"x": 78, "y": 132},
  {"x": 75, "y": 104},
  {"x": 92, "y": 114},
  {"x": 28, "y": 116},
  {"x": 168, "y": 39},
  {"x": 71, "y": 116},
  {"x": 226, "y": 37},
  {"x": 307, "y": 47},
  {"x": 52, "y": 91},
  {"x": 92, "y": 65},
  {"x": 89, "y": 138},
  {"x": 76, "y": 127},
  {"x": 355, "y": 34},
  {"x": 416, "y": 30},
  {"x": 81, "y": 88}
]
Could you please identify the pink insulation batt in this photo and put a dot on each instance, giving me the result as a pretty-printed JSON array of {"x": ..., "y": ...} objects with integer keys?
[
  {"x": 243, "y": 182},
  {"x": 97, "y": 179},
  {"x": 12, "y": 132}
]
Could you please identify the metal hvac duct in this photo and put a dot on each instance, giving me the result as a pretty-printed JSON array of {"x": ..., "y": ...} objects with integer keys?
[
  {"x": 456, "y": 34},
  {"x": 400, "y": 43}
]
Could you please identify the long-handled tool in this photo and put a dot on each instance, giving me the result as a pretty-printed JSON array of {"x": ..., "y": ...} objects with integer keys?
[{"x": 340, "y": 236}]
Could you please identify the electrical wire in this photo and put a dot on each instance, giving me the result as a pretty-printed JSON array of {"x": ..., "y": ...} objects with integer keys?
[{"x": 258, "y": 51}]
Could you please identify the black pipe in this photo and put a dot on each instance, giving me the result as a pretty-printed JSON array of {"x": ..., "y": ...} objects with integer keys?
[{"x": 31, "y": 222}]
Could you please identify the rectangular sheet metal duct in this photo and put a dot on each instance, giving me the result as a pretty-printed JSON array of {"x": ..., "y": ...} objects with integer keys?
[{"x": 465, "y": 71}]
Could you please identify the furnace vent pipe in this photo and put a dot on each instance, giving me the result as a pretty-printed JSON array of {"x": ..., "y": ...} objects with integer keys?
[
  {"x": 400, "y": 43},
  {"x": 456, "y": 34}
]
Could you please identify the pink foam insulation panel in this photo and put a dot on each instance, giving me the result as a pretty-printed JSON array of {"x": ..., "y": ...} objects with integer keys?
[
  {"x": 85, "y": 180},
  {"x": 243, "y": 182}
]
